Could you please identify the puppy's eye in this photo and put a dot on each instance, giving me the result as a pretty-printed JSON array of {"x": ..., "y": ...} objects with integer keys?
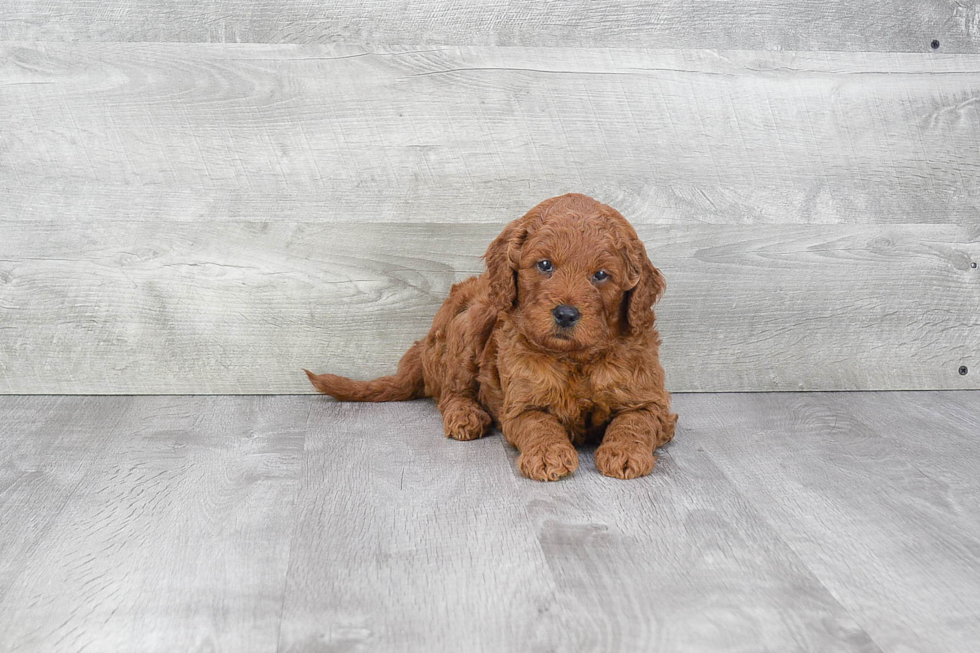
[
  {"x": 546, "y": 265},
  {"x": 601, "y": 275}
]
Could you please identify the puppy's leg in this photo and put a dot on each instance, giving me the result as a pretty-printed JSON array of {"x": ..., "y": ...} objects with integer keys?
[
  {"x": 462, "y": 327},
  {"x": 630, "y": 440},
  {"x": 546, "y": 452}
]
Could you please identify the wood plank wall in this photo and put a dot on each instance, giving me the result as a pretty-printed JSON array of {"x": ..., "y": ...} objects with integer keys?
[{"x": 206, "y": 197}]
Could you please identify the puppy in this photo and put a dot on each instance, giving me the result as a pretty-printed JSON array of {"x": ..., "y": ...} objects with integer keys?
[{"x": 555, "y": 343}]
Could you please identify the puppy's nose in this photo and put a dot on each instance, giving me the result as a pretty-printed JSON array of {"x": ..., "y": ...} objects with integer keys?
[{"x": 565, "y": 315}]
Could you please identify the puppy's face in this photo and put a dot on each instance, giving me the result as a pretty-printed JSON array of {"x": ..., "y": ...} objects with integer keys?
[
  {"x": 573, "y": 275},
  {"x": 570, "y": 285}
]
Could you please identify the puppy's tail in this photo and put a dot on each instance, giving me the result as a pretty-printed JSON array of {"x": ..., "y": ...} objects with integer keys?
[{"x": 406, "y": 383}]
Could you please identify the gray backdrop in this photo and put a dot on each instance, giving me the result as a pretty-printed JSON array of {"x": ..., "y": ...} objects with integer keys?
[{"x": 206, "y": 199}]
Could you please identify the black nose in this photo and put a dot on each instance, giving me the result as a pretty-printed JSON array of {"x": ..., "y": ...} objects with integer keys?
[{"x": 565, "y": 315}]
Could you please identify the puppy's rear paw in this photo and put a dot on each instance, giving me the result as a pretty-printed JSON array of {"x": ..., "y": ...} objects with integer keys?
[
  {"x": 548, "y": 462},
  {"x": 624, "y": 462},
  {"x": 465, "y": 419}
]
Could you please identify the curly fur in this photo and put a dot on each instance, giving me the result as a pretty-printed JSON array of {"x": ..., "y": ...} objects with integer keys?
[{"x": 496, "y": 353}]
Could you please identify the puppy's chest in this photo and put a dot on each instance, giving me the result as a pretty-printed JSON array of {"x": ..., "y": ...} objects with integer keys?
[{"x": 579, "y": 399}]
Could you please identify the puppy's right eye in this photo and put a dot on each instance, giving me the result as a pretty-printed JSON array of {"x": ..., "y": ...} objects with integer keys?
[{"x": 546, "y": 266}]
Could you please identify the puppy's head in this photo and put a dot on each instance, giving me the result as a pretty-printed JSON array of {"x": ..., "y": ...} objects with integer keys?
[{"x": 573, "y": 275}]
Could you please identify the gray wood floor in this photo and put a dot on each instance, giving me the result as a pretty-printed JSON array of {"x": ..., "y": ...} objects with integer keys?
[{"x": 774, "y": 522}]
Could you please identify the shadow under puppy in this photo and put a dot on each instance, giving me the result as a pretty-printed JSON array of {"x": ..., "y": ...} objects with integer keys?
[{"x": 556, "y": 343}]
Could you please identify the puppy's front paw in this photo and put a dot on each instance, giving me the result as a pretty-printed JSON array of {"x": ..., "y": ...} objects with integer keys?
[
  {"x": 624, "y": 461},
  {"x": 548, "y": 462}
]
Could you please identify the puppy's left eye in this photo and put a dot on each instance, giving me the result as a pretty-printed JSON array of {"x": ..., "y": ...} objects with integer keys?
[{"x": 601, "y": 275}]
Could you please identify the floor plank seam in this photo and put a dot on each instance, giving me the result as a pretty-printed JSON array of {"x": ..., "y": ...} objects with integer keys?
[
  {"x": 776, "y": 534},
  {"x": 293, "y": 535}
]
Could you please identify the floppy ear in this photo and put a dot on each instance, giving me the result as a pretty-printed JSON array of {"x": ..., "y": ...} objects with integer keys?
[
  {"x": 646, "y": 285},
  {"x": 502, "y": 258}
]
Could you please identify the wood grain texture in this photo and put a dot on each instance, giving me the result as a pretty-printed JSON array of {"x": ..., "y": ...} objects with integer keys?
[
  {"x": 788, "y": 522},
  {"x": 174, "y": 535},
  {"x": 678, "y": 562},
  {"x": 211, "y": 218},
  {"x": 129, "y": 132},
  {"x": 447, "y": 548},
  {"x": 41, "y": 469},
  {"x": 408, "y": 541},
  {"x": 877, "y": 494},
  {"x": 877, "y": 25},
  {"x": 242, "y": 307}
]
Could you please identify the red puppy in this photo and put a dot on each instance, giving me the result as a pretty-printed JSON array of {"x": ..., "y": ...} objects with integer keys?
[{"x": 555, "y": 342}]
